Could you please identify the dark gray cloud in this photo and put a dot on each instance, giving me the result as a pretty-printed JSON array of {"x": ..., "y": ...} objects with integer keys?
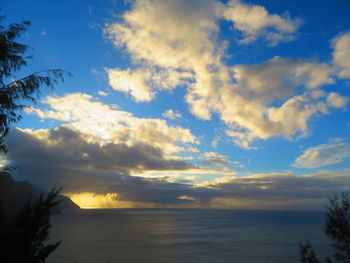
[
  {"x": 64, "y": 157},
  {"x": 213, "y": 158},
  {"x": 66, "y": 148},
  {"x": 284, "y": 186}
]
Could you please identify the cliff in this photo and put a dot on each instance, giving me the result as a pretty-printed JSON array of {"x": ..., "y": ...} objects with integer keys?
[{"x": 14, "y": 194}]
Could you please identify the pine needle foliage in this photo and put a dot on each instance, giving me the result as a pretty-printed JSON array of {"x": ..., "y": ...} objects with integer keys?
[
  {"x": 337, "y": 228},
  {"x": 24, "y": 236},
  {"x": 13, "y": 92},
  {"x": 307, "y": 253}
]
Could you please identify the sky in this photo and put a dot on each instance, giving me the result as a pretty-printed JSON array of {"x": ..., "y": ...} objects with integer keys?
[{"x": 187, "y": 103}]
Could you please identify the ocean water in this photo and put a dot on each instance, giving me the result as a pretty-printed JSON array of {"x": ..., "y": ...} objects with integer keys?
[{"x": 185, "y": 236}]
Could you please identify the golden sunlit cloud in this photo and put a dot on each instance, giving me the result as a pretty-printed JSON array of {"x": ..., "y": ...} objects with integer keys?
[
  {"x": 266, "y": 94},
  {"x": 103, "y": 123},
  {"x": 90, "y": 200}
]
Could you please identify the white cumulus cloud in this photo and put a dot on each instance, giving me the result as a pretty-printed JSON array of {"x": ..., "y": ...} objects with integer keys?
[
  {"x": 255, "y": 21},
  {"x": 277, "y": 97},
  {"x": 323, "y": 155},
  {"x": 341, "y": 54},
  {"x": 336, "y": 100},
  {"x": 170, "y": 114},
  {"x": 104, "y": 124}
]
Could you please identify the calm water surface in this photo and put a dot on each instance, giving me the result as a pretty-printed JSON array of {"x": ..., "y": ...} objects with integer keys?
[{"x": 185, "y": 236}]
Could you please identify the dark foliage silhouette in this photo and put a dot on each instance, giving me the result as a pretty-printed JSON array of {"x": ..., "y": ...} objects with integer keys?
[
  {"x": 23, "y": 237},
  {"x": 307, "y": 254},
  {"x": 15, "y": 92},
  {"x": 337, "y": 228}
]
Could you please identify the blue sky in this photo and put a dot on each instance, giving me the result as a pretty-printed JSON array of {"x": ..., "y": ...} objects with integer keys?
[{"x": 229, "y": 104}]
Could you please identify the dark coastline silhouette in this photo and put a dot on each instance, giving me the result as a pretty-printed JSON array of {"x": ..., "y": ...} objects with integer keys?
[{"x": 14, "y": 195}]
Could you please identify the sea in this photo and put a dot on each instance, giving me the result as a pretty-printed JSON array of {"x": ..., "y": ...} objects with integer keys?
[{"x": 185, "y": 236}]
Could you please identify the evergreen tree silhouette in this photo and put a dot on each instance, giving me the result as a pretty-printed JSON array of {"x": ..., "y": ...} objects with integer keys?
[
  {"x": 23, "y": 237},
  {"x": 14, "y": 92},
  {"x": 337, "y": 228},
  {"x": 307, "y": 253}
]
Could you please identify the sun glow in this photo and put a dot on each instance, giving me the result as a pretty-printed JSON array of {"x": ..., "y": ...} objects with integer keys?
[{"x": 88, "y": 200}]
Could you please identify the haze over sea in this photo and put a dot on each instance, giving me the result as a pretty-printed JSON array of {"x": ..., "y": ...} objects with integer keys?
[{"x": 185, "y": 235}]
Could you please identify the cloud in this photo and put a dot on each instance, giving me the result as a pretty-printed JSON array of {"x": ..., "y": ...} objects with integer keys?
[
  {"x": 254, "y": 21},
  {"x": 281, "y": 185},
  {"x": 142, "y": 84},
  {"x": 104, "y": 173},
  {"x": 216, "y": 141},
  {"x": 66, "y": 157},
  {"x": 288, "y": 120},
  {"x": 216, "y": 159},
  {"x": 133, "y": 82},
  {"x": 90, "y": 10},
  {"x": 341, "y": 54},
  {"x": 192, "y": 150},
  {"x": 170, "y": 114},
  {"x": 280, "y": 77},
  {"x": 105, "y": 124},
  {"x": 336, "y": 100},
  {"x": 258, "y": 191},
  {"x": 323, "y": 155},
  {"x": 99, "y": 148},
  {"x": 102, "y": 93},
  {"x": 72, "y": 149},
  {"x": 182, "y": 36},
  {"x": 277, "y": 97}
]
